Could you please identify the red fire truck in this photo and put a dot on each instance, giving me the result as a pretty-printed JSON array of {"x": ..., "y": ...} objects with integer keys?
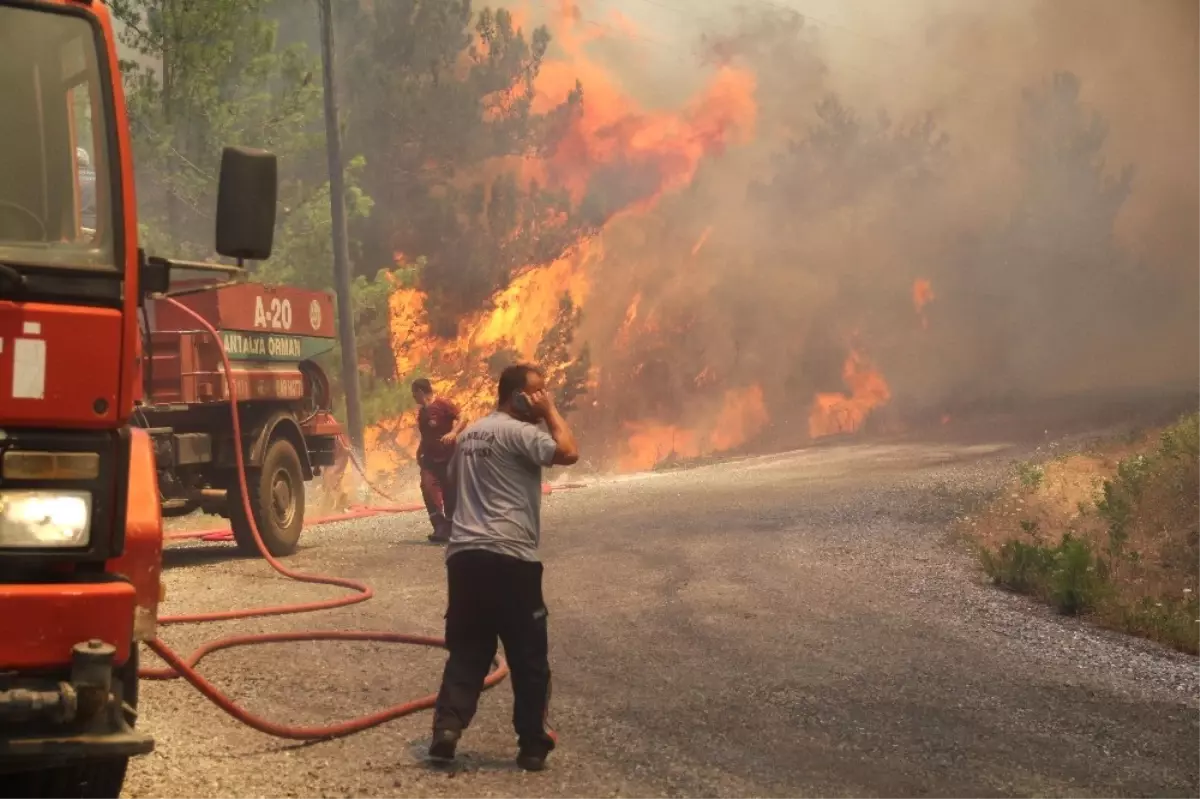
[{"x": 97, "y": 440}]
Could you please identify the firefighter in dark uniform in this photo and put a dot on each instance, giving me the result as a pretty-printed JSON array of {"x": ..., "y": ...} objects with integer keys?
[{"x": 439, "y": 422}]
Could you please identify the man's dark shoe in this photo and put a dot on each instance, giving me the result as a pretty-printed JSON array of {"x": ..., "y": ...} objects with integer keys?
[
  {"x": 439, "y": 537},
  {"x": 444, "y": 745},
  {"x": 533, "y": 757}
]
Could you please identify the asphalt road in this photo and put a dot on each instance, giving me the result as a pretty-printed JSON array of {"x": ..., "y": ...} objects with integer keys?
[{"x": 788, "y": 625}]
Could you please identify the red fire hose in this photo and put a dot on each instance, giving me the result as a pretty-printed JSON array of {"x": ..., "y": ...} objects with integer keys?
[{"x": 186, "y": 668}]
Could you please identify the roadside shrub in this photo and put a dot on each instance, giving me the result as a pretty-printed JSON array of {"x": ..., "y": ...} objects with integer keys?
[
  {"x": 1031, "y": 474},
  {"x": 1079, "y": 581},
  {"x": 1069, "y": 575},
  {"x": 1172, "y": 620},
  {"x": 1182, "y": 440},
  {"x": 1019, "y": 566},
  {"x": 1130, "y": 555}
]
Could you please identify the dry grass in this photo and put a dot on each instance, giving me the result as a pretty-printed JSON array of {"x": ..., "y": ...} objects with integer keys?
[
  {"x": 1112, "y": 532},
  {"x": 1053, "y": 495}
]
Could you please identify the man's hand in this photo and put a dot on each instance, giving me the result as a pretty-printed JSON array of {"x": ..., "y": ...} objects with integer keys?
[
  {"x": 449, "y": 438},
  {"x": 566, "y": 451},
  {"x": 542, "y": 403}
]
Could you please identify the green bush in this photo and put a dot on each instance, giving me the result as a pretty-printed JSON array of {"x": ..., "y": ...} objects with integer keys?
[
  {"x": 1069, "y": 575},
  {"x": 1019, "y": 566},
  {"x": 1031, "y": 475},
  {"x": 1121, "y": 496},
  {"x": 1181, "y": 441},
  {"x": 1079, "y": 580}
]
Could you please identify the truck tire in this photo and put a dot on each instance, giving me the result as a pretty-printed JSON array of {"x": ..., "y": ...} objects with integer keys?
[
  {"x": 89, "y": 778},
  {"x": 277, "y": 499}
]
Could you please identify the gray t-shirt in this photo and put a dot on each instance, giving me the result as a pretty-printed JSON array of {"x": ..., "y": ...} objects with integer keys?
[{"x": 497, "y": 466}]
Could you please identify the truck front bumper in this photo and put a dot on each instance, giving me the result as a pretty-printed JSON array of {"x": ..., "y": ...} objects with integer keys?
[
  {"x": 87, "y": 712},
  {"x": 34, "y": 754},
  {"x": 68, "y": 674},
  {"x": 42, "y": 621}
]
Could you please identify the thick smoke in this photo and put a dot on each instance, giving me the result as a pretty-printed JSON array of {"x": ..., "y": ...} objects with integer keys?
[
  {"x": 1006, "y": 212},
  {"x": 788, "y": 227}
]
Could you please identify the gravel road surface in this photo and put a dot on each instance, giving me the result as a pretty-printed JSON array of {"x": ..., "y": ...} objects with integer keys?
[{"x": 798, "y": 624}]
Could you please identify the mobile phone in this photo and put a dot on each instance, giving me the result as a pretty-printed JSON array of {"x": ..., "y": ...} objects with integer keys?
[{"x": 521, "y": 403}]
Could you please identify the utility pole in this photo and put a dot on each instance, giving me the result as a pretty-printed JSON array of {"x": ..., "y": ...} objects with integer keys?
[{"x": 341, "y": 251}]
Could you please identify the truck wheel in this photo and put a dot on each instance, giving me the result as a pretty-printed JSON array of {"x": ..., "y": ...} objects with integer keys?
[
  {"x": 89, "y": 778},
  {"x": 277, "y": 498}
]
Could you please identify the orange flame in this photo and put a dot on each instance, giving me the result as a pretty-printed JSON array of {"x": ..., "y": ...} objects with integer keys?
[
  {"x": 520, "y": 315},
  {"x": 651, "y": 444},
  {"x": 835, "y": 413},
  {"x": 525, "y": 310},
  {"x": 385, "y": 446},
  {"x": 631, "y": 315},
  {"x": 699, "y": 245},
  {"x": 743, "y": 415},
  {"x": 610, "y": 132},
  {"x": 608, "y": 140}
]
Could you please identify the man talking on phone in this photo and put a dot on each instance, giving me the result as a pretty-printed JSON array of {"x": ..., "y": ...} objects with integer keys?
[{"x": 492, "y": 566}]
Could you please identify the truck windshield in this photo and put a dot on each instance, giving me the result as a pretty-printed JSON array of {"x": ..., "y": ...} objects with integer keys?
[{"x": 56, "y": 197}]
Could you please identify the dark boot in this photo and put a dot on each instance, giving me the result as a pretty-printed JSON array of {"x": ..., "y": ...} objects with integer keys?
[
  {"x": 532, "y": 756},
  {"x": 444, "y": 744}
]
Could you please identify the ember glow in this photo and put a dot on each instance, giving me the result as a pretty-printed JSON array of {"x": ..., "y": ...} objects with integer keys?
[{"x": 922, "y": 295}]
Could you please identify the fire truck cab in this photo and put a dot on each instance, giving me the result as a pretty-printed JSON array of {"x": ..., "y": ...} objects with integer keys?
[{"x": 80, "y": 516}]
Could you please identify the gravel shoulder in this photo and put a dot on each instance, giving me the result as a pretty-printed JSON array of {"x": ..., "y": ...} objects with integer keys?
[{"x": 797, "y": 624}]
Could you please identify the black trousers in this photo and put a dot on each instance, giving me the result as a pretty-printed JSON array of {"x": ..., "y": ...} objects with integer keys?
[{"x": 496, "y": 596}]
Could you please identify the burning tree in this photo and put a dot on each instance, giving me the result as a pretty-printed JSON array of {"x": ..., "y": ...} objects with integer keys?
[
  {"x": 442, "y": 102},
  {"x": 568, "y": 374},
  {"x": 808, "y": 282},
  {"x": 754, "y": 254}
]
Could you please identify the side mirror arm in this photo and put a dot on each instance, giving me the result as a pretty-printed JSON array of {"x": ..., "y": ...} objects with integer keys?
[{"x": 154, "y": 275}]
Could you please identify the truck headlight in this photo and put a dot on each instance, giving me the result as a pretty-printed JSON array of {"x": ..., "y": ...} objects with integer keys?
[{"x": 43, "y": 519}]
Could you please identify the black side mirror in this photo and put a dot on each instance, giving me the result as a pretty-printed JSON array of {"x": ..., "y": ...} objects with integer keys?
[
  {"x": 154, "y": 274},
  {"x": 246, "y": 198}
]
